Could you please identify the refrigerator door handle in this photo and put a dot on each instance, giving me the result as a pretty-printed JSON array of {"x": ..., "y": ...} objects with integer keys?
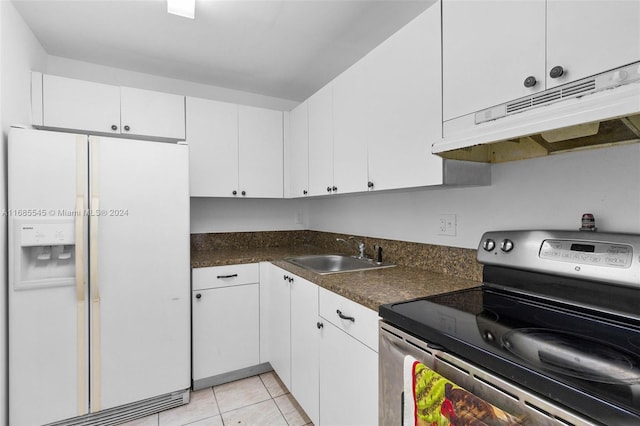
[
  {"x": 81, "y": 306},
  {"x": 96, "y": 386}
]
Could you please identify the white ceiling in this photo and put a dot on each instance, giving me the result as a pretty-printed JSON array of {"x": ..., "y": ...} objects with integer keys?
[{"x": 282, "y": 48}]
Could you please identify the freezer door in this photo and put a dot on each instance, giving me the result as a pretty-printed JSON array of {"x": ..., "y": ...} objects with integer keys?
[
  {"x": 139, "y": 270},
  {"x": 47, "y": 181}
]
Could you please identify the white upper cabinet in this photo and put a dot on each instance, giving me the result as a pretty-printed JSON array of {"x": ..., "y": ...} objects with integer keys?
[
  {"x": 404, "y": 106},
  {"x": 321, "y": 142},
  {"x": 596, "y": 36},
  {"x": 489, "y": 48},
  {"x": 297, "y": 151},
  {"x": 349, "y": 143},
  {"x": 234, "y": 151},
  {"x": 212, "y": 135},
  {"x": 260, "y": 136},
  {"x": 66, "y": 103},
  {"x": 149, "y": 113},
  {"x": 512, "y": 50}
]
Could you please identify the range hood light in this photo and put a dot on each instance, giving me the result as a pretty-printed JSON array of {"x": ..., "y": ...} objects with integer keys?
[{"x": 185, "y": 8}]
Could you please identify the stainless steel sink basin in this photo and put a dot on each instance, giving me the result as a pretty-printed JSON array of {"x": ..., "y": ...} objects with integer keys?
[{"x": 335, "y": 263}]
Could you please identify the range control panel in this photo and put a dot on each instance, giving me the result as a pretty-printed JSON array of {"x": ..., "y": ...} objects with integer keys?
[
  {"x": 587, "y": 253},
  {"x": 597, "y": 256}
]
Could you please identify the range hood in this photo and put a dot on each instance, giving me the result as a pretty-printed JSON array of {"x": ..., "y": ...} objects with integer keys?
[{"x": 598, "y": 111}]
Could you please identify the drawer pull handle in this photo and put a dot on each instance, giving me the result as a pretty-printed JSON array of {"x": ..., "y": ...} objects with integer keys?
[
  {"x": 344, "y": 317},
  {"x": 227, "y": 276},
  {"x": 319, "y": 325}
]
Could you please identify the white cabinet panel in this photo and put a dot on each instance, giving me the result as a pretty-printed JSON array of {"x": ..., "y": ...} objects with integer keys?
[
  {"x": 297, "y": 152},
  {"x": 596, "y": 36},
  {"x": 321, "y": 142},
  {"x": 260, "y": 136},
  {"x": 225, "y": 276},
  {"x": 305, "y": 341},
  {"x": 349, "y": 380},
  {"x": 405, "y": 110},
  {"x": 488, "y": 49},
  {"x": 212, "y": 134},
  {"x": 350, "y": 103},
  {"x": 225, "y": 330},
  {"x": 149, "y": 113},
  {"x": 275, "y": 320},
  {"x": 79, "y": 105},
  {"x": 104, "y": 109}
]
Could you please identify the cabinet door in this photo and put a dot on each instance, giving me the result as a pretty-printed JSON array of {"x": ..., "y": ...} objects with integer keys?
[
  {"x": 403, "y": 82},
  {"x": 212, "y": 134},
  {"x": 591, "y": 37},
  {"x": 305, "y": 340},
  {"x": 260, "y": 145},
  {"x": 321, "y": 142},
  {"x": 349, "y": 385},
  {"x": 275, "y": 320},
  {"x": 488, "y": 49},
  {"x": 297, "y": 153},
  {"x": 80, "y": 105},
  {"x": 225, "y": 330},
  {"x": 149, "y": 113},
  {"x": 350, "y": 103}
]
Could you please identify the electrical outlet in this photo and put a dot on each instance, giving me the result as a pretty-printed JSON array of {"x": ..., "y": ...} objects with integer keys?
[
  {"x": 447, "y": 224},
  {"x": 298, "y": 218}
]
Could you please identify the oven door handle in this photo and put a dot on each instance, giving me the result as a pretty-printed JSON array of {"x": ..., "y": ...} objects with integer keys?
[{"x": 436, "y": 347}]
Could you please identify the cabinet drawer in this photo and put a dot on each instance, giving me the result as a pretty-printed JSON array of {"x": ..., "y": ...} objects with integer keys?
[
  {"x": 225, "y": 276},
  {"x": 358, "y": 321}
]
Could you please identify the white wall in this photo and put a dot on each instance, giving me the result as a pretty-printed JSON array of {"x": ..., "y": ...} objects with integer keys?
[
  {"x": 547, "y": 193},
  {"x": 20, "y": 52},
  {"x": 119, "y": 77},
  {"x": 245, "y": 215}
]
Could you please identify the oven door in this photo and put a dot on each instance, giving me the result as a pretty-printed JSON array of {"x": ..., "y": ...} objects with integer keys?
[{"x": 505, "y": 403}]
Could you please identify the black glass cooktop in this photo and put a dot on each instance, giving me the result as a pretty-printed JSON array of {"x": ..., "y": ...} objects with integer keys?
[{"x": 573, "y": 355}]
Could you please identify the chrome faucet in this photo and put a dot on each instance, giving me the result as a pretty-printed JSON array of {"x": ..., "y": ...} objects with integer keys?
[{"x": 359, "y": 243}]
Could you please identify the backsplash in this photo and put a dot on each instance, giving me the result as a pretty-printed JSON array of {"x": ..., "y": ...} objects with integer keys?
[{"x": 459, "y": 262}]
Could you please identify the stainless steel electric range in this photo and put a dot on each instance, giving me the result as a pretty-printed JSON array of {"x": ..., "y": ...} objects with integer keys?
[{"x": 551, "y": 337}]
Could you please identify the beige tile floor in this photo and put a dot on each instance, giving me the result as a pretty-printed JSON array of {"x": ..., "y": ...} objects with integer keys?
[{"x": 256, "y": 401}]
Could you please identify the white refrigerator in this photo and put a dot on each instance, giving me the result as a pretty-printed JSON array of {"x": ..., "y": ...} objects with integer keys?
[{"x": 99, "y": 277}]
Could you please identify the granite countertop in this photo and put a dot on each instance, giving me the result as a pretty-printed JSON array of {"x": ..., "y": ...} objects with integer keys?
[{"x": 370, "y": 288}]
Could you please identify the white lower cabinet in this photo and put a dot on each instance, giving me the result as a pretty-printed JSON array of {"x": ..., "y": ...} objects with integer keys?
[
  {"x": 348, "y": 366},
  {"x": 328, "y": 363},
  {"x": 226, "y": 322}
]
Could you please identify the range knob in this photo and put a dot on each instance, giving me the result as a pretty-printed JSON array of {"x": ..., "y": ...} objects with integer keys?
[
  {"x": 506, "y": 245},
  {"x": 488, "y": 244}
]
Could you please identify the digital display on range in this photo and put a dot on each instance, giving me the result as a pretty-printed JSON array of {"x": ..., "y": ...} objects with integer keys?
[{"x": 585, "y": 248}]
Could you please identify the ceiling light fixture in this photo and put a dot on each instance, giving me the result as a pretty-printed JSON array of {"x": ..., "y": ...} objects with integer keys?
[{"x": 186, "y": 8}]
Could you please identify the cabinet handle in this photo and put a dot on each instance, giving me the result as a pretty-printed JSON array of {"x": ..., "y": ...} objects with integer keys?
[
  {"x": 344, "y": 317},
  {"x": 235, "y": 192},
  {"x": 244, "y": 193},
  {"x": 220, "y": 277},
  {"x": 335, "y": 188},
  {"x": 319, "y": 325},
  {"x": 198, "y": 296},
  {"x": 370, "y": 184},
  {"x": 530, "y": 81},
  {"x": 114, "y": 127},
  {"x": 290, "y": 279},
  {"x": 305, "y": 192},
  {"x": 127, "y": 128},
  {"x": 328, "y": 189},
  {"x": 556, "y": 72},
  {"x": 286, "y": 277}
]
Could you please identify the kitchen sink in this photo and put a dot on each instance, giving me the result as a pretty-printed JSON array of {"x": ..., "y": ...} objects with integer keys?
[{"x": 335, "y": 263}]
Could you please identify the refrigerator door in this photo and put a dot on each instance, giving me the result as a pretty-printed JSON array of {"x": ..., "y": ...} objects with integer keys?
[
  {"x": 140, "y": 270},
  {"x": 47, "y": 182}
]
